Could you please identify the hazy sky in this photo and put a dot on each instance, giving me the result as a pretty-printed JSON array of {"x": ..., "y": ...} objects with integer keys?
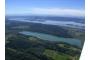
[{"x": 46, "y": 7}]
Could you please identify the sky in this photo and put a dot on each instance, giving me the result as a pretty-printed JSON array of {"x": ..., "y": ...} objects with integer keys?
[{"x": 45, "y": 7}]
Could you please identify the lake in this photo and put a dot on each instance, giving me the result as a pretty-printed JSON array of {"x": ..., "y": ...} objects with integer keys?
[{"x": 49, "y": 37}]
